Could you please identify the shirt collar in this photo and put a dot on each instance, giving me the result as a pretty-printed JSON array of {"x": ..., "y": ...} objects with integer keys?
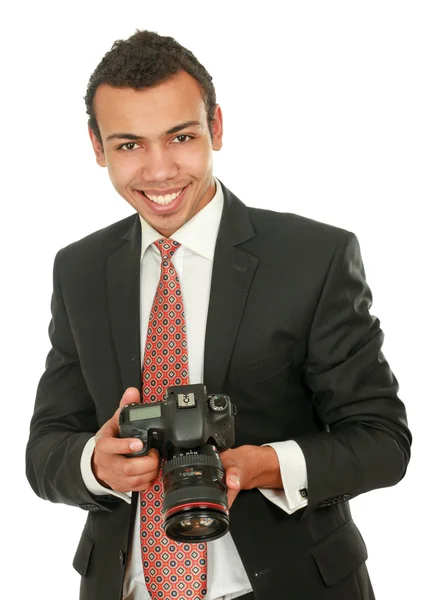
[{"x": 199, "y": 234}]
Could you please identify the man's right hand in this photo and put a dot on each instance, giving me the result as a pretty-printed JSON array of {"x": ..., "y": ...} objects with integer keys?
[{"x": 114, "y": 470}]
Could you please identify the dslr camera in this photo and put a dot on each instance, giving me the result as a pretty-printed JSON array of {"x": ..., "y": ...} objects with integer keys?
[{"x": 189, "y": 429}]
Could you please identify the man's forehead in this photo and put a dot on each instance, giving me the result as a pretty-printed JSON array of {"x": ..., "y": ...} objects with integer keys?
[{"x": 175, "y": 101}]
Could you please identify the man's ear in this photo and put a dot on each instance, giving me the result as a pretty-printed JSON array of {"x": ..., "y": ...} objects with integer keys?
[
  {"x": 217, "y": 127},
  {"x": 97, "y": 148}
]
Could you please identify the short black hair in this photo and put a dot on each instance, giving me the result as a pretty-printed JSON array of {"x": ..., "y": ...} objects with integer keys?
[{"x": 147, "y": 59}]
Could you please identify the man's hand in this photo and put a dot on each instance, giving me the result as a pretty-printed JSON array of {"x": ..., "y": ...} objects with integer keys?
[
  {"x": 248, "y": 467},
  {"x": 111, "y": 468}
]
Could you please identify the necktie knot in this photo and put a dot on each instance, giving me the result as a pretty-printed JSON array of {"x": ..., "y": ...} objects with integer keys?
[{"x": 166, "y": 247}]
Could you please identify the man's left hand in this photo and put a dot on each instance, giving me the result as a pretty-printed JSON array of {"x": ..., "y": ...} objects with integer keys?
[{"x": 248, "y": 467}]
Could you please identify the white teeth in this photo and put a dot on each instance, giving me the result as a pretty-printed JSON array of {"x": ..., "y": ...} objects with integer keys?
[{"x": 163, "y": 199}]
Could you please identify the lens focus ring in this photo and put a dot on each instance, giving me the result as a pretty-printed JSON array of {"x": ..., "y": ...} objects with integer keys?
[{"x": 201, "y": 460}]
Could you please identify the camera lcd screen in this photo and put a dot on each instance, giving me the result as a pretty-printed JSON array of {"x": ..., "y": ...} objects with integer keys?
[{"x": 145, "y": 412}]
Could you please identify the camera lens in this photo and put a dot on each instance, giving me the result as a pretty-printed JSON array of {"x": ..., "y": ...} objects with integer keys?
[
  {"x": 197, "y": 528},
  {"x": 188, "y": 524},
  {"x": 195, "y": 495}
]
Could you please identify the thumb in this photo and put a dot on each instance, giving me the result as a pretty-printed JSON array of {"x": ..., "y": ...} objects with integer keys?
[
  {"x": 130, "y": 395},
  {"x": 233, "y": 478}
]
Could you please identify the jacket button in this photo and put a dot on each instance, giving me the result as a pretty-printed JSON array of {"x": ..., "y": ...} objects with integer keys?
[
  {"x": 89, "y": 506},
  {"x": 122, "y": 558}
]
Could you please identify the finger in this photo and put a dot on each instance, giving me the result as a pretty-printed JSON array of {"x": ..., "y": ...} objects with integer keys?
[
  {"x": 132, "y": 484},
  {"x": 112, "y": 426},
  {"x": 125, "y": 474},
  {"x": 232, "y": 477},
  {"x": 130, "y": 395},
  {"x": 227, "y": 458},
  {"x": 154, "y": 454},
  {"x": 108, "y": 444},
  {"x": 144, "y": 487},
  {"x": 142, "y": 481},
  {"x": 231, "y": 497},
  {"x": 134, "y": 467},
  {"x": 147, "y": 478}
]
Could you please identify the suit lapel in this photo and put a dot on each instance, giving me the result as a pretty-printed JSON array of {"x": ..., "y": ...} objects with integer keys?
[
  {"x": 233, "y": 272},
  {"x": 123, "y": 284}
]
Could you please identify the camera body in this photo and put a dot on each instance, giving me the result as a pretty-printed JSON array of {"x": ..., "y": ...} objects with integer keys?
[
  {"x": 188, "y": 429},
  {"x": 187, "y": 419}
]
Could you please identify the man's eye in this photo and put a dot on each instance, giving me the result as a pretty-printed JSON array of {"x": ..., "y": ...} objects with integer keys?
[
  {"x": 128, "y": 146},
  {"x": 182, "y": 135}
]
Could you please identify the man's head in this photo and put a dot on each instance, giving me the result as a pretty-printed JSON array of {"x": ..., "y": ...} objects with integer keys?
[{"x": 154, "y": 121}]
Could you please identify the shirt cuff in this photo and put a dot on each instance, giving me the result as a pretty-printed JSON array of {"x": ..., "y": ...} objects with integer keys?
[
  {"x": 292, "y": 462},
  {"x": 89, "y": 478}
]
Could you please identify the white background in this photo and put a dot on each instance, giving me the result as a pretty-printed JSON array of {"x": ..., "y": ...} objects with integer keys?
[{"x": 332, "y": 111}]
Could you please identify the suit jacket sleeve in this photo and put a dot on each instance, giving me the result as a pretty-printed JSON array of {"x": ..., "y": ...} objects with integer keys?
[
  {"x": 366, "y": 444},
  {"x": 64, "y": 418}
]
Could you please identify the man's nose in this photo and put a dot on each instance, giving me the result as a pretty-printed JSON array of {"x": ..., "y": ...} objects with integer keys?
[{"x": 159, "y": 165}]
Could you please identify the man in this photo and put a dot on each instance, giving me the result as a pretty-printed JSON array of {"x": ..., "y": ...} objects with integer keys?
[{"x": 275, "y": 314}]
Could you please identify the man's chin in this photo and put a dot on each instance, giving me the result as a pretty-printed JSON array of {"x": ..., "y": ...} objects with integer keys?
[{"x": 165, "y": 225}]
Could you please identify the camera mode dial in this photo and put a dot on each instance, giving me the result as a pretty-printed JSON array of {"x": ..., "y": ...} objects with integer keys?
[{"x": 218, "y": 404}]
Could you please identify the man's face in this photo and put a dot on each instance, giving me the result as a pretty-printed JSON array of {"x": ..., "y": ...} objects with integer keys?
[{"x": 156, "y": 142}]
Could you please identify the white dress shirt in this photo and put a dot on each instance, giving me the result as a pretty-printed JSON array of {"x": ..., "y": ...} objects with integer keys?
[{"x": 226, "y": 576}]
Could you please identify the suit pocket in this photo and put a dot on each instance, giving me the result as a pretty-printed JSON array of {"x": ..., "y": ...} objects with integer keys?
[
  {"x": 266, "y": 367},
  {"x": 340, "y": 554},
  {"x": 82, "y": 555}
]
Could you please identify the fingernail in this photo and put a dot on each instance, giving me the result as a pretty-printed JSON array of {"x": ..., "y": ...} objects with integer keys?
[
  {"x": 235, "y": 480},
  {"x": 136, "y": 446}
]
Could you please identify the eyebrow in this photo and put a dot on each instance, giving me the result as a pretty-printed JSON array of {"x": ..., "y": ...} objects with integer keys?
[{"x": 132, "y": 136}]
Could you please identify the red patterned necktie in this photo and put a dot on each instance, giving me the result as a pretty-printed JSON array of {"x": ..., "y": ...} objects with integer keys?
[{"x": 172, "y": 570}]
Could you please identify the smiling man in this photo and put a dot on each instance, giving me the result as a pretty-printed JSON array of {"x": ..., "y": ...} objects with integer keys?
[
  {"x": 271, "y": 309},
  {"x": 157, "y": 146}
]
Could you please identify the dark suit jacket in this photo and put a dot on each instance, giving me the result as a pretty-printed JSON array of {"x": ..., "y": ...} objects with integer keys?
[{"x": 289, "y": 337}]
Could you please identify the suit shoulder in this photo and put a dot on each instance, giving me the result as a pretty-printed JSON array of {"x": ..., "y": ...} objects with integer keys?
[
  {"x": 275, "y": 224},
  {"x": 101, "y": 241}
]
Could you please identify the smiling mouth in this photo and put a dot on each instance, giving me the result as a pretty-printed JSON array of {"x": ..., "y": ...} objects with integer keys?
[{"x": 165, "y": 199}]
